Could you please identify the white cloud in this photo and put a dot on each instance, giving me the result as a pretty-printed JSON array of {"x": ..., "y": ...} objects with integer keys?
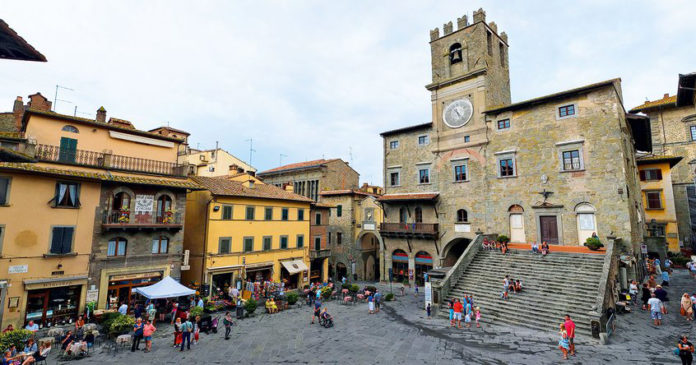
[{"x": 314, "y": 78}]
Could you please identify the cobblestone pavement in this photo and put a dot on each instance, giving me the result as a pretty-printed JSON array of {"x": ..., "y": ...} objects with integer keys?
[{"x": 401, "y": 333}]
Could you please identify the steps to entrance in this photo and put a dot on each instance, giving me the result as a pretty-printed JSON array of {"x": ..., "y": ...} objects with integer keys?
[{"x": 554, "y": 285}]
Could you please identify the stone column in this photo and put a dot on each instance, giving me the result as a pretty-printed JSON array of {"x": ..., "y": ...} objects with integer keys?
[{"x": 412, "y": 268}]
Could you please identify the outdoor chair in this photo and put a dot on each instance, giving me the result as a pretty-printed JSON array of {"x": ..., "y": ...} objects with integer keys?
[{"x": 347, "y": 300}]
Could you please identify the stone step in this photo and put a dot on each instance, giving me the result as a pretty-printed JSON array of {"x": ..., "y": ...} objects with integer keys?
[
  {"x": 548, "y": 286},
  {"x": 551, "y": 255},
  {"x": 539, "y": 258},
  {"x": 526, "y": 277},
  {"x": 531, "y": 297},
  {"x": 540, "y": 262}
]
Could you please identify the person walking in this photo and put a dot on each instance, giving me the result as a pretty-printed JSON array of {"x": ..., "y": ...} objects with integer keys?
[
  {"x": 378, "y": 301},
  {"x": 687, "y": 307},
  {"x": 477, "y": 312},
  {"x": 427, "y": 310},
  {"x": 196, "y": 330},
  {"x": 151, "y": 313},
  {"x": 686, "y": 350},
  {"x": 123, "y": 309},
  {"x": 177, "y": 332},
  {"x": 645, "y": 296},
  {"x": 450, "y": 305},
  {"x": 415, "y": 290},
  {"x": 570, "y": 329},
  {"x": 370, "y": 304},
  {"x": 227, "y": 321},
  {"x": 563, "y": 343},
  {"x": 633, "y": 291},
  {"x": 458, "y": 312},
  {"x": 137, "y": 334},
  {"x": 148, "y": 330},
  {"x": 665, "y": 278},
  {"x": 317, "y": 310},
  {"x": 186, "y": 329},
  {"x": 656, "y": 308}
]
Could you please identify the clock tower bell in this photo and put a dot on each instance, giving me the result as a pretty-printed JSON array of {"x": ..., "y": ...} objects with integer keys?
[{"x": 469, "y": 75}]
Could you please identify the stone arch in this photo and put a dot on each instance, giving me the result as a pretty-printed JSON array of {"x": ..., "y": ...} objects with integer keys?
[
  {"x": 586, "y": 221},
  {"x": 169, "y": 193},
  {"x": 122, "y": 189},
  {"x": 453, "y": 249},
  {"x": 423, "y": 262},
  {"x": 516, "y": 208},
  {"x": 70, "y": 128},
  {"x": 380, "y": 241},
  {"x": 516, "y": 227}
]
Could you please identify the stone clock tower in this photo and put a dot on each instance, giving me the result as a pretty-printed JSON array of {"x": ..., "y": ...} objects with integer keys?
[{"x": 470, "y": 75}]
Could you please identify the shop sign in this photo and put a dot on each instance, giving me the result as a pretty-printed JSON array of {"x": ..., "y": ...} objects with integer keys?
[
  {"x": 644, "y": 249},
  {"x": 369, "y": 226},
  {"x": 185, "y": 267},
  {"x": 135, "y": 276},
  {"x": 144, "y": 203},
  {"x": 18, "y": 269},
  {"x": 428, "y": 294},
  {"x": 92, "y": 295}
]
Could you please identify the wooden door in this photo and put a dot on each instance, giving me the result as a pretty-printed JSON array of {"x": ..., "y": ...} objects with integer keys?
[{"x": 549, "y": 229}]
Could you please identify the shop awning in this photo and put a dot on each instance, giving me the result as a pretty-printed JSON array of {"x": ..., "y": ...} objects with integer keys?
[
  {"x": 165, "y": 288},
  {"x": 294, "y": 266}
]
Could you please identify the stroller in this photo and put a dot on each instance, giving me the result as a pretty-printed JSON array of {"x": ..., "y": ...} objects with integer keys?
[
  {"x": 325, "y": 320},
  {"x": 214, "y": 324}
]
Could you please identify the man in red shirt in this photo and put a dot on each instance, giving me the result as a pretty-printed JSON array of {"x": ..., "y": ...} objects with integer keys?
[
  {"x": 570, "y": 328},
  {"x": 458, "y": 312}
]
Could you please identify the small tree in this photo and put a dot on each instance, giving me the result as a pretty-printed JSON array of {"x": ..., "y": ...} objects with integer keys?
[
  {"x": 196, "y": 311},
  {"x": 292, "y": 297},
  {"x": 354, "y": 288},
  {"x": 389, "y": 297},
  {"x": 593, "y": 243},
  {"x": 250, "y": 305},
  {"x": 503, "y": 238},
  {"x": 16, "y": 337},
  {"x": 121, "y": 324}
]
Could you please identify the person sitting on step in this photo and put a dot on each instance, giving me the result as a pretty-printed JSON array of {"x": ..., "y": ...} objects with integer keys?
[
  {"x": 518, "y": 286},
  {"x": 544, "y": 248},
  {"x": 535, "y": 247}
]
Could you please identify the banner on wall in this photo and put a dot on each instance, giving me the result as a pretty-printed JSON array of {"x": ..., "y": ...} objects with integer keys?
[{"x": 144, "y": 203}]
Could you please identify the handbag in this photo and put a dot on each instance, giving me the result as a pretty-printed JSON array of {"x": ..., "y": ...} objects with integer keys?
[
  {"x": 664, "y": 310},
  {"x": 683, "y": 311}
]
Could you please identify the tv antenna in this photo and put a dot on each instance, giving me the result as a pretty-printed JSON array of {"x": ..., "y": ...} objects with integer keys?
[
  {"x": 280, "y": 159},
  {"x": 350, "y": 154},
  {"x": 55, "y": 98},
  {"x": 251, "y": 148}
]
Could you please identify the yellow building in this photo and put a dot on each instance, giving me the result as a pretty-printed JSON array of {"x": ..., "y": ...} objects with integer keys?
[
  {"x": 215, "y": 162},
  {"x": 241, "y": 228},
  {"x": 658, "y": 197}
]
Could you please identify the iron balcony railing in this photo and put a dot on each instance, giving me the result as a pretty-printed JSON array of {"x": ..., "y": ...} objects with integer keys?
[
  {"x": 107, "y": 161},
  {"x": 409, "y": 228},
  {"x": 127, "y": 219}
]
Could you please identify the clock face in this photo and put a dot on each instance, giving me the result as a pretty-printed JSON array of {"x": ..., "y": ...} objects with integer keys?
[{"x": 458, "y": 113}]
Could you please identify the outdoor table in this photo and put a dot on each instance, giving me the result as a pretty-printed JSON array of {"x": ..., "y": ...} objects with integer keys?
[
  {"x": 47, "y": 340},
  {"x": 90, "y": 327},
  {"x": 123, "y": 340},
  {"x": 55, "y": 332}
]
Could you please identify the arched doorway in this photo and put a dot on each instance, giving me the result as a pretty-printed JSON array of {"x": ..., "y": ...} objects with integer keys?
[
  {"x": 341, "y": 271},
  {"x": 423, "y": 263},
  {"x": 369, "y": 245},
  {"x": 400, "y": 265},
  {"x": 454, "y": 249},
  {"x": 586, "y": 222},
  {"x": 517, "y": 224}
]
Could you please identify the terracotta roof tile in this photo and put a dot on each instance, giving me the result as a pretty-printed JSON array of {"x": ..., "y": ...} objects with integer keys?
[
  {"x": 345, "y": 192},
  {"x": 323, "y": 205},
  {"x": 100, "y": 176},
  {"x": 223, "y": 186},
  {"x": 298, "y": 166},
  {"x": 408, "y": 196},
  {"x": 666, "y": 100}
]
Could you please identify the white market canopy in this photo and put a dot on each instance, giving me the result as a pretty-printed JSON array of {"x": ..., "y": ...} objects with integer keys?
[
  {"x": 294, "y": 266},
  {"x": 165, "y": 288}
]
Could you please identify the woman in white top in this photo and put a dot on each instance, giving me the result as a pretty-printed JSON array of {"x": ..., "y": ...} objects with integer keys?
[{"x": 633, "y": 290}]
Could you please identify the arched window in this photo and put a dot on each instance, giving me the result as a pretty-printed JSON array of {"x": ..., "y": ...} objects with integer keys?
[
  {"x": 164, "y": 209},
  {"x": 160, "y": 244},
  {"x": 403, "y": 215},
  {"x": 455, "y": 53},
  {"x": 71, "y": 129},
  {"x": 462, "y": 216},
  {"x": 117, "y": 247},
  {"x": 121, "y": 201},
  {"x": 587, "y": 224},
  {"x": 419, "y": 215}
]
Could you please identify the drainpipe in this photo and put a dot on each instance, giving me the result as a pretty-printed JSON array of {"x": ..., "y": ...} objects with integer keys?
[{"x": 205, "y": 240}]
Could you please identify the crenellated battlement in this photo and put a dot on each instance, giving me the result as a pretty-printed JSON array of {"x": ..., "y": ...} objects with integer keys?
[{"x": 463, "y": 22}]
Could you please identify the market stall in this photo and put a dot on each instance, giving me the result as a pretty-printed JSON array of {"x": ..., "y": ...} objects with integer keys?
[{"x": 166, "y": 288}]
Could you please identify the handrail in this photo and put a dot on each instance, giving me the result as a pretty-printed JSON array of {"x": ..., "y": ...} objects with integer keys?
[
  {"x": 606, "y": 281},
  {"x": 462, "y": 263}
]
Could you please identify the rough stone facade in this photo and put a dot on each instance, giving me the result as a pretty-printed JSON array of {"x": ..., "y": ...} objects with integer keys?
[
  {"x": 332, "y": 174},
  {"x": 600, "y": 182},
  {"x": 670, "y": 129},
  {"x": 139, "y": 233}
]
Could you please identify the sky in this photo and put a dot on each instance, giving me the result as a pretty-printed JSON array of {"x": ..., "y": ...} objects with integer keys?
[{"x": 321, "y": 79}]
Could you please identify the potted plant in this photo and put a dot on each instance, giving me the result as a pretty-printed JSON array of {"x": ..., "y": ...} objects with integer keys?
[
  {"x": 503, "y": 238},
  {"x": 354, "y": 288},
  {"x": 250, "y": 306},
  {"x": 593, "y": 243},
  {"x": 121, "y": 325},
  {"x": 196, "y": 311},
  {"x": 168, "y": 217},
  {"x": 389, "y": 297},
  {"x": 326, "y": 292},
  {"x": 292, "y": 297}
]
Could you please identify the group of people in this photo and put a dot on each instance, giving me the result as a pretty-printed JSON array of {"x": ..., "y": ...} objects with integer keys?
[
  {"x": 543, "y": 250},
  {"x": 567, "y": 342},
  {"x": 492, "y": 245},
  {"x": 31, "y": 354},
  {"x": 464, "y": 307},
  {"x": 374, "y": 302},
  {"x": 322, "y": 315},
  {"x": 510, "y": 285}
]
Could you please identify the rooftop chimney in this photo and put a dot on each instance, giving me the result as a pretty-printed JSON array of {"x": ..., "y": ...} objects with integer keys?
[
  {"x": 39, "y": 102},
  {"x": 666, "y": 96},
  {"x": 101, "y": 115},
  {"x": 18, "y": 112}
]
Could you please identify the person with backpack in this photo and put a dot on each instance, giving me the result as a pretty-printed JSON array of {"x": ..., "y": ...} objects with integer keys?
[{"x": 378, "y": 300}]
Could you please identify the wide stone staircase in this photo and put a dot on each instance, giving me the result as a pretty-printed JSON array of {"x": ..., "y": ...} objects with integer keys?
[{"x": 554, "y": 285}]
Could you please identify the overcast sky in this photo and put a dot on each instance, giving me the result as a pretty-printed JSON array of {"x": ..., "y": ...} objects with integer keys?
[{"x": 313, "y": 79}]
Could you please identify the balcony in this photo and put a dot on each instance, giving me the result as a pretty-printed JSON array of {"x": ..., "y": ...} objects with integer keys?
[
  {"x": 319, "y": 254},
  {"x": 125, "y": 220},
  {"x": 409, "y": 230},
  {"x": 107, "y": 161}
]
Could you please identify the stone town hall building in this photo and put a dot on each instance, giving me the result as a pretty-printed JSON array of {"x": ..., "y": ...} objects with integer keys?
[{"x": 554, "y": 168}]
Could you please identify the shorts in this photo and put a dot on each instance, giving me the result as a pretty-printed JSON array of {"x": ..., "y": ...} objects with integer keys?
[
  {"x": 467, "y": 319},
  {"x": 371, "y": 306},
  {"x": 656, "y": 314},
  {"x": 458, "y": 316},
  {"x": 451, "y": 314},
  {"x": 317, "y": 313},
  {"x": 147, "y": 338},
  {"x": 571, "y": 340}
]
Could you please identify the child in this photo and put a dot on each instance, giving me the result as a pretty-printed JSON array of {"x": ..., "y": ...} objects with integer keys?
[
  {"x": 504, "y": 295},
  {"x": 467, "y": 319},
  {"x": 450, "y": 304},
  {"x": 416, "y": 290},
  {"x": 427, "y": 309},
  {"x": 478, "y": 317}
]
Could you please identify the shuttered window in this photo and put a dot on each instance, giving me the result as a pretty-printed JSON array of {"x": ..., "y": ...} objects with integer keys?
[{"x": 61, "y": 240}]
